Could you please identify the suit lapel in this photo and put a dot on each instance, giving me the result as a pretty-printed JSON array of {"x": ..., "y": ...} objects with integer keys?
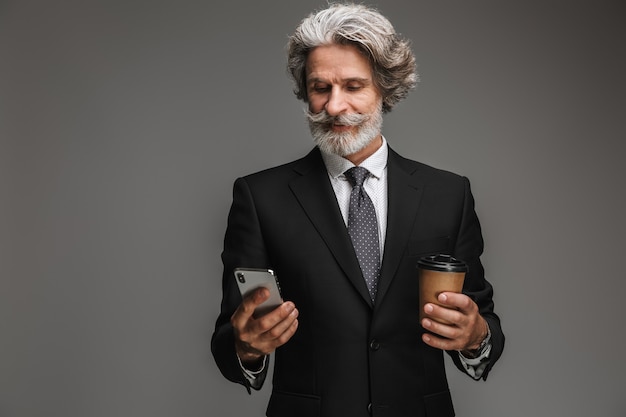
[
  {"x": 317, "y": 198},
  {"x": 404, "y": 194}
]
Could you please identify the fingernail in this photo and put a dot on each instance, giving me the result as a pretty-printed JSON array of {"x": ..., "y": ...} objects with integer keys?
[
  {"x": 429, "y": 308},
  {"x": 426, "y": 323},
  {"x": 443, "y": 297}
]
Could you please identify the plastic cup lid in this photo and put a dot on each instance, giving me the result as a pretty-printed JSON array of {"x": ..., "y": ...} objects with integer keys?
[{"x": 443, "y": 263}]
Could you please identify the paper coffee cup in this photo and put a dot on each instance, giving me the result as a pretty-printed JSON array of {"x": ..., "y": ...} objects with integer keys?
[{"x": 437, "y": 274}]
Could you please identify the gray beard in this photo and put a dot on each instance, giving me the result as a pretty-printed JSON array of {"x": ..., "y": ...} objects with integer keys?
[{"x": 344, "y": 143}]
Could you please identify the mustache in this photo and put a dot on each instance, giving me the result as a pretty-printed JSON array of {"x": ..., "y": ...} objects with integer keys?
[{"x": 323, "y": 118}]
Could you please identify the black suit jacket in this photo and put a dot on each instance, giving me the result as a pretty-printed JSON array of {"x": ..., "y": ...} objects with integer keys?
[{"x": 349, "y": 357}]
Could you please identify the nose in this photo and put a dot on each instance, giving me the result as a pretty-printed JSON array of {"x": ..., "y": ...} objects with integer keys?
[{"x": 336, "y": 103}]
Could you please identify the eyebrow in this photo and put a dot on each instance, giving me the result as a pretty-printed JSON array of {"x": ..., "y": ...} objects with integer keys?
[{"x": 345, "y": 80}]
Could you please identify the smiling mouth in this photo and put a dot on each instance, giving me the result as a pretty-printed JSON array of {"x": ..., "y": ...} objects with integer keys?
[{"x": 341, "y": 128}]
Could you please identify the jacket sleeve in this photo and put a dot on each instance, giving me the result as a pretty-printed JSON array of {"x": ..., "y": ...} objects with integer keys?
[
  {"x": 469, "y": 247},
  {"x": 243, "y": 247}
]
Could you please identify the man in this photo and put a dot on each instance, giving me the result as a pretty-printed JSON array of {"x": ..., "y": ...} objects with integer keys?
[{"x": 348, "y": 340}]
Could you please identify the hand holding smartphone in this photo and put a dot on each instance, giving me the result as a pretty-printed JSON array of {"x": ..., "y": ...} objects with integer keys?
[{"x": 249, "y": 279}]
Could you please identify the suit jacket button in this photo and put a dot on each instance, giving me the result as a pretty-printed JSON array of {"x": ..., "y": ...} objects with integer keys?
[
  {"x": 369, "y": 409},
  {"x": 374, "y": 345}
]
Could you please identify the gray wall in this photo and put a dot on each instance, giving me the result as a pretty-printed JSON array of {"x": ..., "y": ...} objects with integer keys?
[{"x": 124, "y": 123}]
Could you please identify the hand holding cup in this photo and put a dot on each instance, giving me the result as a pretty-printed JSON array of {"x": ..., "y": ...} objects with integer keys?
[{"x": 437, "y": 274}]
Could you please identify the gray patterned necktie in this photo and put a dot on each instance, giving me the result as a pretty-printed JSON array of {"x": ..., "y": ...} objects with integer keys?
[{"x": 363, "y": 228}]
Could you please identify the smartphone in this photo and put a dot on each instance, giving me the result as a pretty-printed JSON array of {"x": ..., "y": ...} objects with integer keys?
[{"x": 249, "y": 279}]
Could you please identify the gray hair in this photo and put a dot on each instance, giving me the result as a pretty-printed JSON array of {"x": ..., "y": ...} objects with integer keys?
[{"x": 391, "y": 58}]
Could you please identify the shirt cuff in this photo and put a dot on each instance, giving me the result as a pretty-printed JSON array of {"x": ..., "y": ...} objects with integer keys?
[
  {"x": 253, "y": 376},
  {"x": 476, "y": 366}
]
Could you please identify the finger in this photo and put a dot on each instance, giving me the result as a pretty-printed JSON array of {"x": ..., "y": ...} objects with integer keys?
[
  {"x": 288, "y": 334},
  {"x": 456, "y": 300},
  {"x": 282, "y": 332},
  {"x": 253, "y": 299},
  {"x": 256, "y": 297},
  {"x": 441, "y": 343},
  {"x": 445, "y": 314},
  {"x": 273, "y": 318},
  {"x": 269, "y": 346},
  {"x": 278, "y": 335},
  {"x": 244, "y": 312},
  {"x": 445, "y": 331}
]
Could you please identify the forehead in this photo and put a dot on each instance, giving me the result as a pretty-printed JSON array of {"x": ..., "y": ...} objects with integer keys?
[{"x": 337, "y": 63}]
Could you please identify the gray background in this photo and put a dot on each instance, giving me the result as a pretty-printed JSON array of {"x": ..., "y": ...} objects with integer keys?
[{"x": 124, "y": 123}]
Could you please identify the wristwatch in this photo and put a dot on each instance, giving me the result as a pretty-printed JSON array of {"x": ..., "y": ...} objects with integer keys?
[{"x": 481, "y": 349}]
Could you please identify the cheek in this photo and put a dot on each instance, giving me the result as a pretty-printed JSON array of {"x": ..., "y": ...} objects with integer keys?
[
  {"x": 370, "y": 102},
  {"x": 316, "y": 105}
]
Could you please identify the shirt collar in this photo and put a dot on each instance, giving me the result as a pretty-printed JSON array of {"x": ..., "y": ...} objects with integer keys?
[{"x": 376, "y": 163}]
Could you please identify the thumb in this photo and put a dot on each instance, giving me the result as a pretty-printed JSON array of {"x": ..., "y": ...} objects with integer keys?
[
  {"x": 254, "y": 299},
  {"x": 245, "y": 311}
]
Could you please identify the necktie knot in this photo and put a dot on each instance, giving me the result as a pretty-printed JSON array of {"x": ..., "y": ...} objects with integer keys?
[{"x": 356, "y": 175}]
